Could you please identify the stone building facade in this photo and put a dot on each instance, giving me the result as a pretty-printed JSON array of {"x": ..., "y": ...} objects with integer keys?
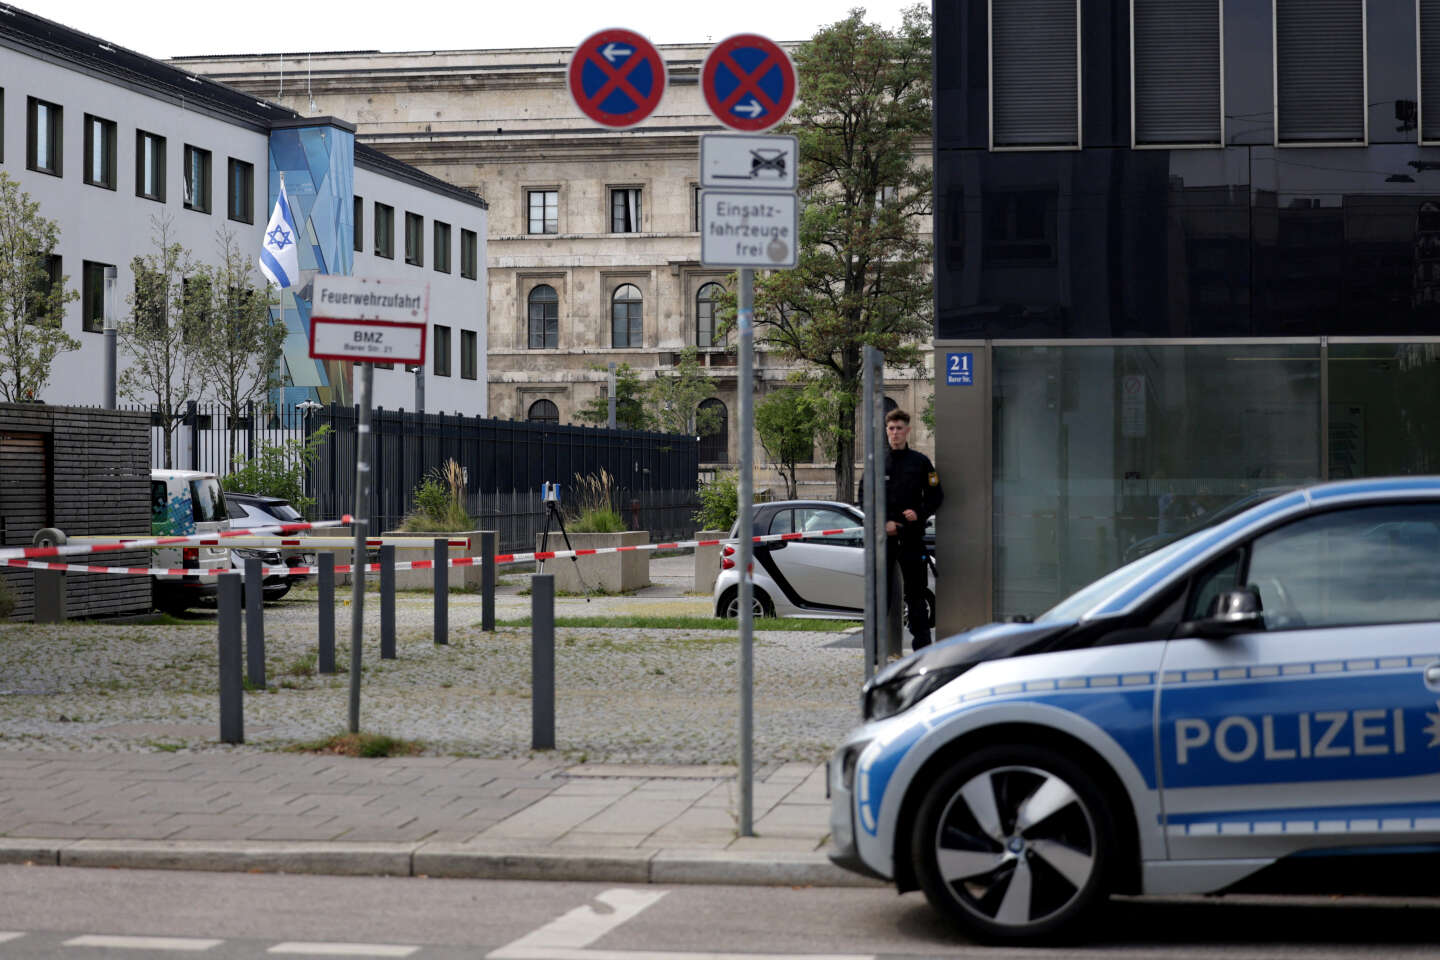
[{"x": 593, "y": 250}]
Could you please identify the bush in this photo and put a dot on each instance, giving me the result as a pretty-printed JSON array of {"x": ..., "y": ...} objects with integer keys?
[
  {"x": 278, "y": 470},
  {"x": 719, "y": 503},
  {"x": 7, "y": 600},
  {"x": 595, "y": 510},
  {"x": 438, "y": 502}
]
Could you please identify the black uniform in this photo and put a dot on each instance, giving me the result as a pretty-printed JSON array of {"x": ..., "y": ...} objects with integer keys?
[{"x": 911, "y": 483}]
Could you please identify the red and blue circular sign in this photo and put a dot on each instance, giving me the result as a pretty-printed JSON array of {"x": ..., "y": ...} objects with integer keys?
[
  {"x": 749, "y": 82},
  {"x": 616, "y": 77}
]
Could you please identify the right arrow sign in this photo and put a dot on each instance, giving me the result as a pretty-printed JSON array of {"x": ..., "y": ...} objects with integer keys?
[{"x": 749, "y": 82}]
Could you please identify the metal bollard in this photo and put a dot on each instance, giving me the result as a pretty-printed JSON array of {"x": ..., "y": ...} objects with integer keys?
[
  {"x": 49, "y": 585},
  {"x": 442, "y": 591},
  {"x": 326, "y": 582},
  {"x": 254, "y": 623},
  {"x": 387, "y": 602},
  {"x": 489, "y": 547},
  {"x": 542, "y": 661},
  {"x": 232, "y": 705}
]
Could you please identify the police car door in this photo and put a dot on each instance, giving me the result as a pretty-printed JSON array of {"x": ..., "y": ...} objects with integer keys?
[{"x": 1322, "y": 730}]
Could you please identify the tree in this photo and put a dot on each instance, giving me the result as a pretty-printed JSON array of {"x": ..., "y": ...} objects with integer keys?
[
  {"x": 240, "y": 351},
  {"x": 32, "y": 300},
  {"x": 785, "y": 423},
  {"x": 165, "y": 332},
  {"x": 629, "y": 402},
  {"x": 863, "y": 276},
  {"x": 673, "y": 399}
]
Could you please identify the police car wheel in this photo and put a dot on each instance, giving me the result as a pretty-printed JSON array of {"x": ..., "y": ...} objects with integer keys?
[{"x": 1013, "y": 844}]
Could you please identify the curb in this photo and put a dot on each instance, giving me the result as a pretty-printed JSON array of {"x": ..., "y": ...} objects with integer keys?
[{"x": 446, "y": 860}]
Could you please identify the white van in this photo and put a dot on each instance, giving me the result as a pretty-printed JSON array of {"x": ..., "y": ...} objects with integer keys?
[{"x": 184, "y": 502}]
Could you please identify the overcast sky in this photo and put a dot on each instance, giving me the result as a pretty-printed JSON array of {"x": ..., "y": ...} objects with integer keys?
[{"x": 173, "y": 28}]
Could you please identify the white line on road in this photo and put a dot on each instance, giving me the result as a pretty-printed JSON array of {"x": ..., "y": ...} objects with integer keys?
[
  {"x": 343, "y": 949},
  {"x": 143, "y": 943},
  {"x": 569, "y": 937},
  {"x": 7, "y": 937}
]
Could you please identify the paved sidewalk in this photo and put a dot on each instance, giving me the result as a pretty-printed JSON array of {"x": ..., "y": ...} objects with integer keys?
[{"x": 433, "y": 816}]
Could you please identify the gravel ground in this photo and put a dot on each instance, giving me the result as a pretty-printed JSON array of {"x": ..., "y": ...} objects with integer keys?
[{"x": 622, "y": 695}]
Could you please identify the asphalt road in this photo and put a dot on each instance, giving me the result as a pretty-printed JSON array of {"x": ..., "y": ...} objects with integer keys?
[{"x": 75, "y": 912}]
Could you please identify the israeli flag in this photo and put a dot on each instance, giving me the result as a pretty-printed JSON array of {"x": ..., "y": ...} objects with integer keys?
[{"x": 278, "y": 257}]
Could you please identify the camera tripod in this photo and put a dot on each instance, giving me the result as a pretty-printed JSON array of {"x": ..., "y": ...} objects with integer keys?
[{"x": 552, "y": 511}]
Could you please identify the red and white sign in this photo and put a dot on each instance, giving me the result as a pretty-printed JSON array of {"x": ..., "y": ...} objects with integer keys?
[
  {"x": 616, "y": 77},
  {"x": 365, "y": 320},
  {"x": 749, "y": 82}
]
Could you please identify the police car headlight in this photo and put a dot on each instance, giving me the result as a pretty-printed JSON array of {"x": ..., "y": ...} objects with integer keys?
[{"x": 902, "y": 693}]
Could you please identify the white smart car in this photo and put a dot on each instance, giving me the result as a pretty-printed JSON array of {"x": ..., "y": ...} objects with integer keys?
[{"x": 1255, "y": 706}]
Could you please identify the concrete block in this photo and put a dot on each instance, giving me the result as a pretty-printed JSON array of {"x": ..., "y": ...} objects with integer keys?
[
  {"x": 607, "y": 572},
  {"x": 707, "y": 561}
]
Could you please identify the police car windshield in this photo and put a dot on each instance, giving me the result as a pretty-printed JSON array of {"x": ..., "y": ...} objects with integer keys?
[{"x": 1074, "y": 606}]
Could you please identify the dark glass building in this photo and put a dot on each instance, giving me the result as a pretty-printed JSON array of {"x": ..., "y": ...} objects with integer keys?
[{"x": 1185, "y": 250}]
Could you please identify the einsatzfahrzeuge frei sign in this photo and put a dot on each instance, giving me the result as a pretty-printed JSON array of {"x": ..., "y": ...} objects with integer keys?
[{"x": 366, "y": 320}]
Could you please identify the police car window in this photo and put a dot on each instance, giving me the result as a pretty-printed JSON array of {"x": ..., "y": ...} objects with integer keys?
[
  {"x": 782, "y": 522},
  {"x": 1220, "y": 577},
  {"x": 1350, "y": 567}
]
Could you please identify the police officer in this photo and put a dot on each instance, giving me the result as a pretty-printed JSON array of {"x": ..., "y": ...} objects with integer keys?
[{"x": 912, "y": 495}]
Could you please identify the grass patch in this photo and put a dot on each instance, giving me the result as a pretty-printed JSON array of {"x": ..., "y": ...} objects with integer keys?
[
  {"x": 693, "y": 623},
  {"x": 360, "y": 745},
  {"x": 164, "y": 746}
]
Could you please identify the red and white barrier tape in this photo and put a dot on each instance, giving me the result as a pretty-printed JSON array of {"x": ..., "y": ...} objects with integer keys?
[
  {"x": 500, "y": 559},
  {"x": 71, "y": 549}
]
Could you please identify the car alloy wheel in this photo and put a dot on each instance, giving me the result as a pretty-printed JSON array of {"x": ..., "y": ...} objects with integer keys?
[
  {"x": 1013, "y": 844},
  {"x": 759, "y": 604}
]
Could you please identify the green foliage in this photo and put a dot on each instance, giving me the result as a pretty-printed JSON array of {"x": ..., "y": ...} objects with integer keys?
[
  {"x": 719, "y": 503},
  {"x": 164, "y": 336},
  {"x": 629, "y": 402},
  {"x": 361, "y": 745},
  {"x": 32, "y": 303},
  {"x": 278, "y": 470},
  {"x": 240, "y": 352},
  {"x": 864, "y": 266},
  {"x": 7, "y": 600},
  {"x": 673, "y": 399},
  {"x": 438, "y": 502},
  {"x": 786, "y": 423},
  {"x": 595, "y": 509},
  {"x": 927, "y": 413}
]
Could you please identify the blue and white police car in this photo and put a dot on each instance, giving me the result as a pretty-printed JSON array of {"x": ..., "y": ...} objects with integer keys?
[{"x": 1254, "y": 706}]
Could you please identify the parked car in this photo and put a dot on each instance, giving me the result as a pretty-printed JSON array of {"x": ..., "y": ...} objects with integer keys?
[
  {"x": 1252, "y": 707},
  {"x": 822, "y": 578},
  {"x": 184, "y": 502},
  {"x": 251, "y": 510}
]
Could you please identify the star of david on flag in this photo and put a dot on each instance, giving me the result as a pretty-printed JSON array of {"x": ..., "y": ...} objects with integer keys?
[{"x": 279, "y": 259}]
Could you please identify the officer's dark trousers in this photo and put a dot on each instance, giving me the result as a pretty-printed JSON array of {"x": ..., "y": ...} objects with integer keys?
[{"x": 910, "y": 556}]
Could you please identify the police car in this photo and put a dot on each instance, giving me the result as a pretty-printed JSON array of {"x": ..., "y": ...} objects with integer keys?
[{"x": 1254, "y": 706}]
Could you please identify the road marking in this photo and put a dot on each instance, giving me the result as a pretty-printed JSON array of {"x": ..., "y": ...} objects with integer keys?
[
  {"x": 7, "y": 937},
  {"x": 343, "y": 949},
  {"x": 568, "y": 937},
  {"x": 580, "y": 927},
  {"x": 144, "y": 943}
]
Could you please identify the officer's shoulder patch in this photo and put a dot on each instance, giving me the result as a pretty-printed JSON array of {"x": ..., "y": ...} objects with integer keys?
[{"x": 934, "y": 479}]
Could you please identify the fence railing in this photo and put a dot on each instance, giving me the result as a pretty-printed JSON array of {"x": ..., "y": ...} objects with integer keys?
[{"x": 503, "y": 462}]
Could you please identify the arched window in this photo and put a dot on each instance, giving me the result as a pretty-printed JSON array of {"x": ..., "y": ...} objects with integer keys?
[
  {"x": 544, "y": 318},
  {"x": 625, "y": 311},
  {"x": 714, "y": 443},
  {"x": 706, "y": 300},
  {"x": 890, "y": 405},
  {"x": 544, "y": 411}
]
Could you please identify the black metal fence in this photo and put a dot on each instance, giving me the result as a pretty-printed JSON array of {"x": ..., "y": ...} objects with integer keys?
[{"x": 655, "y": 475}]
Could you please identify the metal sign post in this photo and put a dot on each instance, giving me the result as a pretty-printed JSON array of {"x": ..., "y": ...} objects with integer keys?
[
  {"x": 874, "y": 525},
  {"x": 366, "y": 375},
  {"x": 879, "y": 443},
  {"x": 366, "y": 321},
  {"x": 745, "y": 318}
]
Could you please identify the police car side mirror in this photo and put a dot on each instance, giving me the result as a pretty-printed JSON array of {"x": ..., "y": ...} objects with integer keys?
[{"x": 1232, "y": 612}]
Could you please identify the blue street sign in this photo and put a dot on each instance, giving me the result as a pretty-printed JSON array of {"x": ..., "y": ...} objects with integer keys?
[{"x": 960, "y": 369}]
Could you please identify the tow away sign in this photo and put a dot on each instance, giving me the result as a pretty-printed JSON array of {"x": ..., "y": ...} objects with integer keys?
[
  {"x": 370, "y": 321},
  {"x": 738, "y": 162}
]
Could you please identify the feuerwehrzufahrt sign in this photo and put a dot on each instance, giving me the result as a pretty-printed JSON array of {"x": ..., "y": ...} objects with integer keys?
[{"x": 366, "y": 320}]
